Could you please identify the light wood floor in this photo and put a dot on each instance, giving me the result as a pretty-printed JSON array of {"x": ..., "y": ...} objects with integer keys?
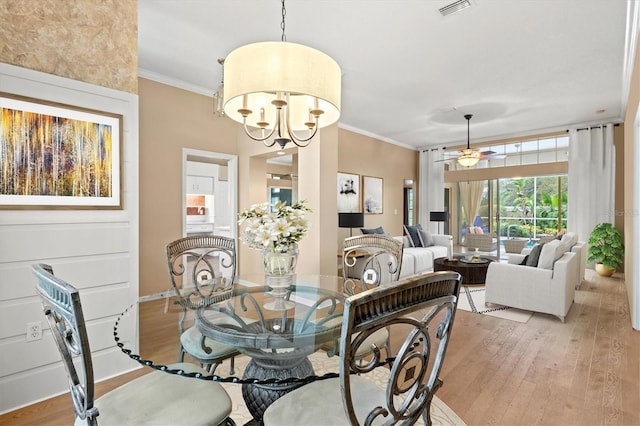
[{"x": 497, "y": 372}]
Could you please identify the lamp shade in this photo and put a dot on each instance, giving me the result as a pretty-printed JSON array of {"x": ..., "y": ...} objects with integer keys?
[
  {"x": 438, "y": 216},
  {"x": 350, "y": 220},
  {"x": 256, "y": 74}
]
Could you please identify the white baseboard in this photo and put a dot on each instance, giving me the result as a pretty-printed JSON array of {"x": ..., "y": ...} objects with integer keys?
[{"x": 161, "y": 295}]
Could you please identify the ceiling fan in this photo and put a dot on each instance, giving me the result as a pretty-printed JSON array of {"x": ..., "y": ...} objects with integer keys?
[{"x": 469, "y": 157}]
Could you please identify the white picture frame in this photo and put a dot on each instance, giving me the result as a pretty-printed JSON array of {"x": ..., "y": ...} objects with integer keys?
[
  {"x": 348, "y": 192},
  {"x": 372, "y": 190}
]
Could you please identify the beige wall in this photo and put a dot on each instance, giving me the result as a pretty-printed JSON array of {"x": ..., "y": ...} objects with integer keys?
[
  {"x": 170, "y": 119},
  {"x": 366, "y": 156},
  {"x": 317, "y": 168},
  {"x": 85, "y": 40}
]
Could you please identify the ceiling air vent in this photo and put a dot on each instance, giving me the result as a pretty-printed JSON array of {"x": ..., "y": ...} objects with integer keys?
[{"x": 454, "y": 7}]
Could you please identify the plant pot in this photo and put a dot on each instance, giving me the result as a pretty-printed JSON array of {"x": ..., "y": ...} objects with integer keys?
[{"x": 603, "y": 271}]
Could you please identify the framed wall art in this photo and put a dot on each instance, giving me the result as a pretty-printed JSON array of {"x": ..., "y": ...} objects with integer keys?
[
  {"x": 372, "y": 198},
  {"x": 54, "y": 155},
  {"x": 348, "y": 193}
]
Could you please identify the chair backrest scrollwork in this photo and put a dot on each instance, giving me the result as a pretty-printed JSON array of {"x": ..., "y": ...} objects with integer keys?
[
  {"x": 370, "y": 260},
  {"x": 201, "y": 268},
  {"x": 422, "y": 308},
  {"x": 62, "y": 307}
]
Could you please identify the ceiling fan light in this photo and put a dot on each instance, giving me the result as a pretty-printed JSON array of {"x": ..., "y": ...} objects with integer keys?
[{"x": 468, "y": 157}]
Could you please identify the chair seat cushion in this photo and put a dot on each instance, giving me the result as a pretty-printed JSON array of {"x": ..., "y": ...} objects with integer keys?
[
  {"x": 160, "y": 398},
  {"x": 191, "y": 341},
  {"x": 379, "y": 338},
  {"x": 320, "y": 403}
]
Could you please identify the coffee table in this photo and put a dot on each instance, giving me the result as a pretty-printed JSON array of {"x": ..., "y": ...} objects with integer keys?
[{"x": 472, "y": 271}]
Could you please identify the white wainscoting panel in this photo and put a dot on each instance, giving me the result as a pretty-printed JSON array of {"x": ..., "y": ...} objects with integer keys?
[{"x": 95, "y": 250}]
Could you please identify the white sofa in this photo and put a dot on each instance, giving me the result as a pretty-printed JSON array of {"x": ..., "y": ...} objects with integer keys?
[
  {"x": 549, "y": 291},
  {"x": 418, "y": 260}
]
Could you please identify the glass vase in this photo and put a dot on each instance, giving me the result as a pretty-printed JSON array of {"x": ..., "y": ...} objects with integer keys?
[{"x": 279, "y": 272}]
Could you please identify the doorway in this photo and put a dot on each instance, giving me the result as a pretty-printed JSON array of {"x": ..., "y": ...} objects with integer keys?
[{"x": 210, "y": 183}]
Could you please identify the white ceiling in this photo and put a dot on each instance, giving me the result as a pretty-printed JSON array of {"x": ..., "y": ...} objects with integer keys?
[{"x": 410, "y": 74}]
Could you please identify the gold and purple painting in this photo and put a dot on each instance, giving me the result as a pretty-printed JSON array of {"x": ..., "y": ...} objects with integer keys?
[{"x": 54, "y": 155}]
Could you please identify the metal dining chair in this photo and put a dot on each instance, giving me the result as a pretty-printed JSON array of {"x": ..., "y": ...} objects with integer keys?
[
  {"x": 201, "y": 268},
  {"x": 420, "y": 310},
  {"x": 369, "y": 261},
  {"x": 155, "y": 398}
]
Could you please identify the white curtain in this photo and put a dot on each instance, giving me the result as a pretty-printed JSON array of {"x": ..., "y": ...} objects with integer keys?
[
  {"x": 470, "y": 197},
  {"x": 591, "y": 179},
  {"x": 431, "y": 192}
]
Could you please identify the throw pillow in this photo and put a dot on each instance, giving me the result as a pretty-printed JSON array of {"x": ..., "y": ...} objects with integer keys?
[
  {"x": 551, "y": 252},
  {"x": 377, "y": 230},
  {"x": 426, "y": 238},
  {"x": 534, "y": 255},
  {"x": 569, "y": 240},
  {"x": 479, "y": 230},
  {"x": 524, "y": 261},
  {"x": 413, "y": 232}
]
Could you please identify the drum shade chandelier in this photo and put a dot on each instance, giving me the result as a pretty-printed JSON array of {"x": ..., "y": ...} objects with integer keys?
[{"x": 282, "y": 90}]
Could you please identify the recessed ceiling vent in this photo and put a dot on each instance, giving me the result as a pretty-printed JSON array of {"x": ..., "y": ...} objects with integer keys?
[{"x": 454, "y": 7}]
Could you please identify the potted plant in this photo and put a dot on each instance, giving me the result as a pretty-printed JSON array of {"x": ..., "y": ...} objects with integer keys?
[{"x": 606, "y": 249}]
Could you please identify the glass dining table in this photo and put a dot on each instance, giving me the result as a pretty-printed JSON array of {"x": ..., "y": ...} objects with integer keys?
[{"x": 278, "y": 340}]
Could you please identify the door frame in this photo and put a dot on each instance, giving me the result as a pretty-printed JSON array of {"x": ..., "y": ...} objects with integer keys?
[{"x": 231, "y": 161}]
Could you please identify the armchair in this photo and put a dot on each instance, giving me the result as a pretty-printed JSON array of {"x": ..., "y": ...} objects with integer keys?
[
  {"x": 549, "y": 291},
  {"x": 570, "y": 240},
  {"x": 483, "y": 242}
]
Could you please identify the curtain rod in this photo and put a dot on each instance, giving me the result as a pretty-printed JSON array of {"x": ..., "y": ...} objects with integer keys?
[
  {"x": 582, "y": 128},
  {"x": 596, "y": 126}
]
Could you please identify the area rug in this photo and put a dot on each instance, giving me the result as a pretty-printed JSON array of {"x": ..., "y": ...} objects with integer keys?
[
  {"x": 441, "y": 414},
  {"x": 472, "y": 300}
]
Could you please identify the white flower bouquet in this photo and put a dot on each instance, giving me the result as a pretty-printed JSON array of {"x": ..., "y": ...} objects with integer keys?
[{"x": 279, "y": 230}]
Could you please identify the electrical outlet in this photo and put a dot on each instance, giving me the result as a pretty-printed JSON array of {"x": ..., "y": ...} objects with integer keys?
[{"x": 34, "y": 331}]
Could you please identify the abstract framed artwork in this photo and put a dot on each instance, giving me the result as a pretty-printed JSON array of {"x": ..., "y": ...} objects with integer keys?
[
  {"x": 372, "y": 198},
  {"x": 54, "y": 155},
  {"x": 348, "y": 193}
]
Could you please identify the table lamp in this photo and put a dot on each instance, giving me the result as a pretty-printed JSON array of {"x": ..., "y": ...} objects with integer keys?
[
  {"x": 438, "y": 217},
  {"x": 351, "y": 220}
]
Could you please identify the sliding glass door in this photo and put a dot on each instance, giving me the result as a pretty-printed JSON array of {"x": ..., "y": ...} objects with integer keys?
[{"x": 513, "y": 208}]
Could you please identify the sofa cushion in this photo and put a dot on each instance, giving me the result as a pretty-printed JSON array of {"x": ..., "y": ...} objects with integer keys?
[
  {"x": 404, "y": 240},
  {"x": 426, "y": 238},
  {"x": 408, "y": 265},
  {"x": 377, "y": 230},
  {"x": 569, "y": 240},
  {"x": 413, "y": 232},
  {"x": 422, "y": 259},
  {"x": 534, "y": 255},
  {"x": 551, "y": 251}
]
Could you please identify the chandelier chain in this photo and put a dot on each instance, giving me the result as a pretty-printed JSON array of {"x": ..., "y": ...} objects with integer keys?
[{"x": 282, "y": 25}]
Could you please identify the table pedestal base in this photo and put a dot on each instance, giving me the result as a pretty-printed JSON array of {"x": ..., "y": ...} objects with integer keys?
[{"x": 259, "y": 397}]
